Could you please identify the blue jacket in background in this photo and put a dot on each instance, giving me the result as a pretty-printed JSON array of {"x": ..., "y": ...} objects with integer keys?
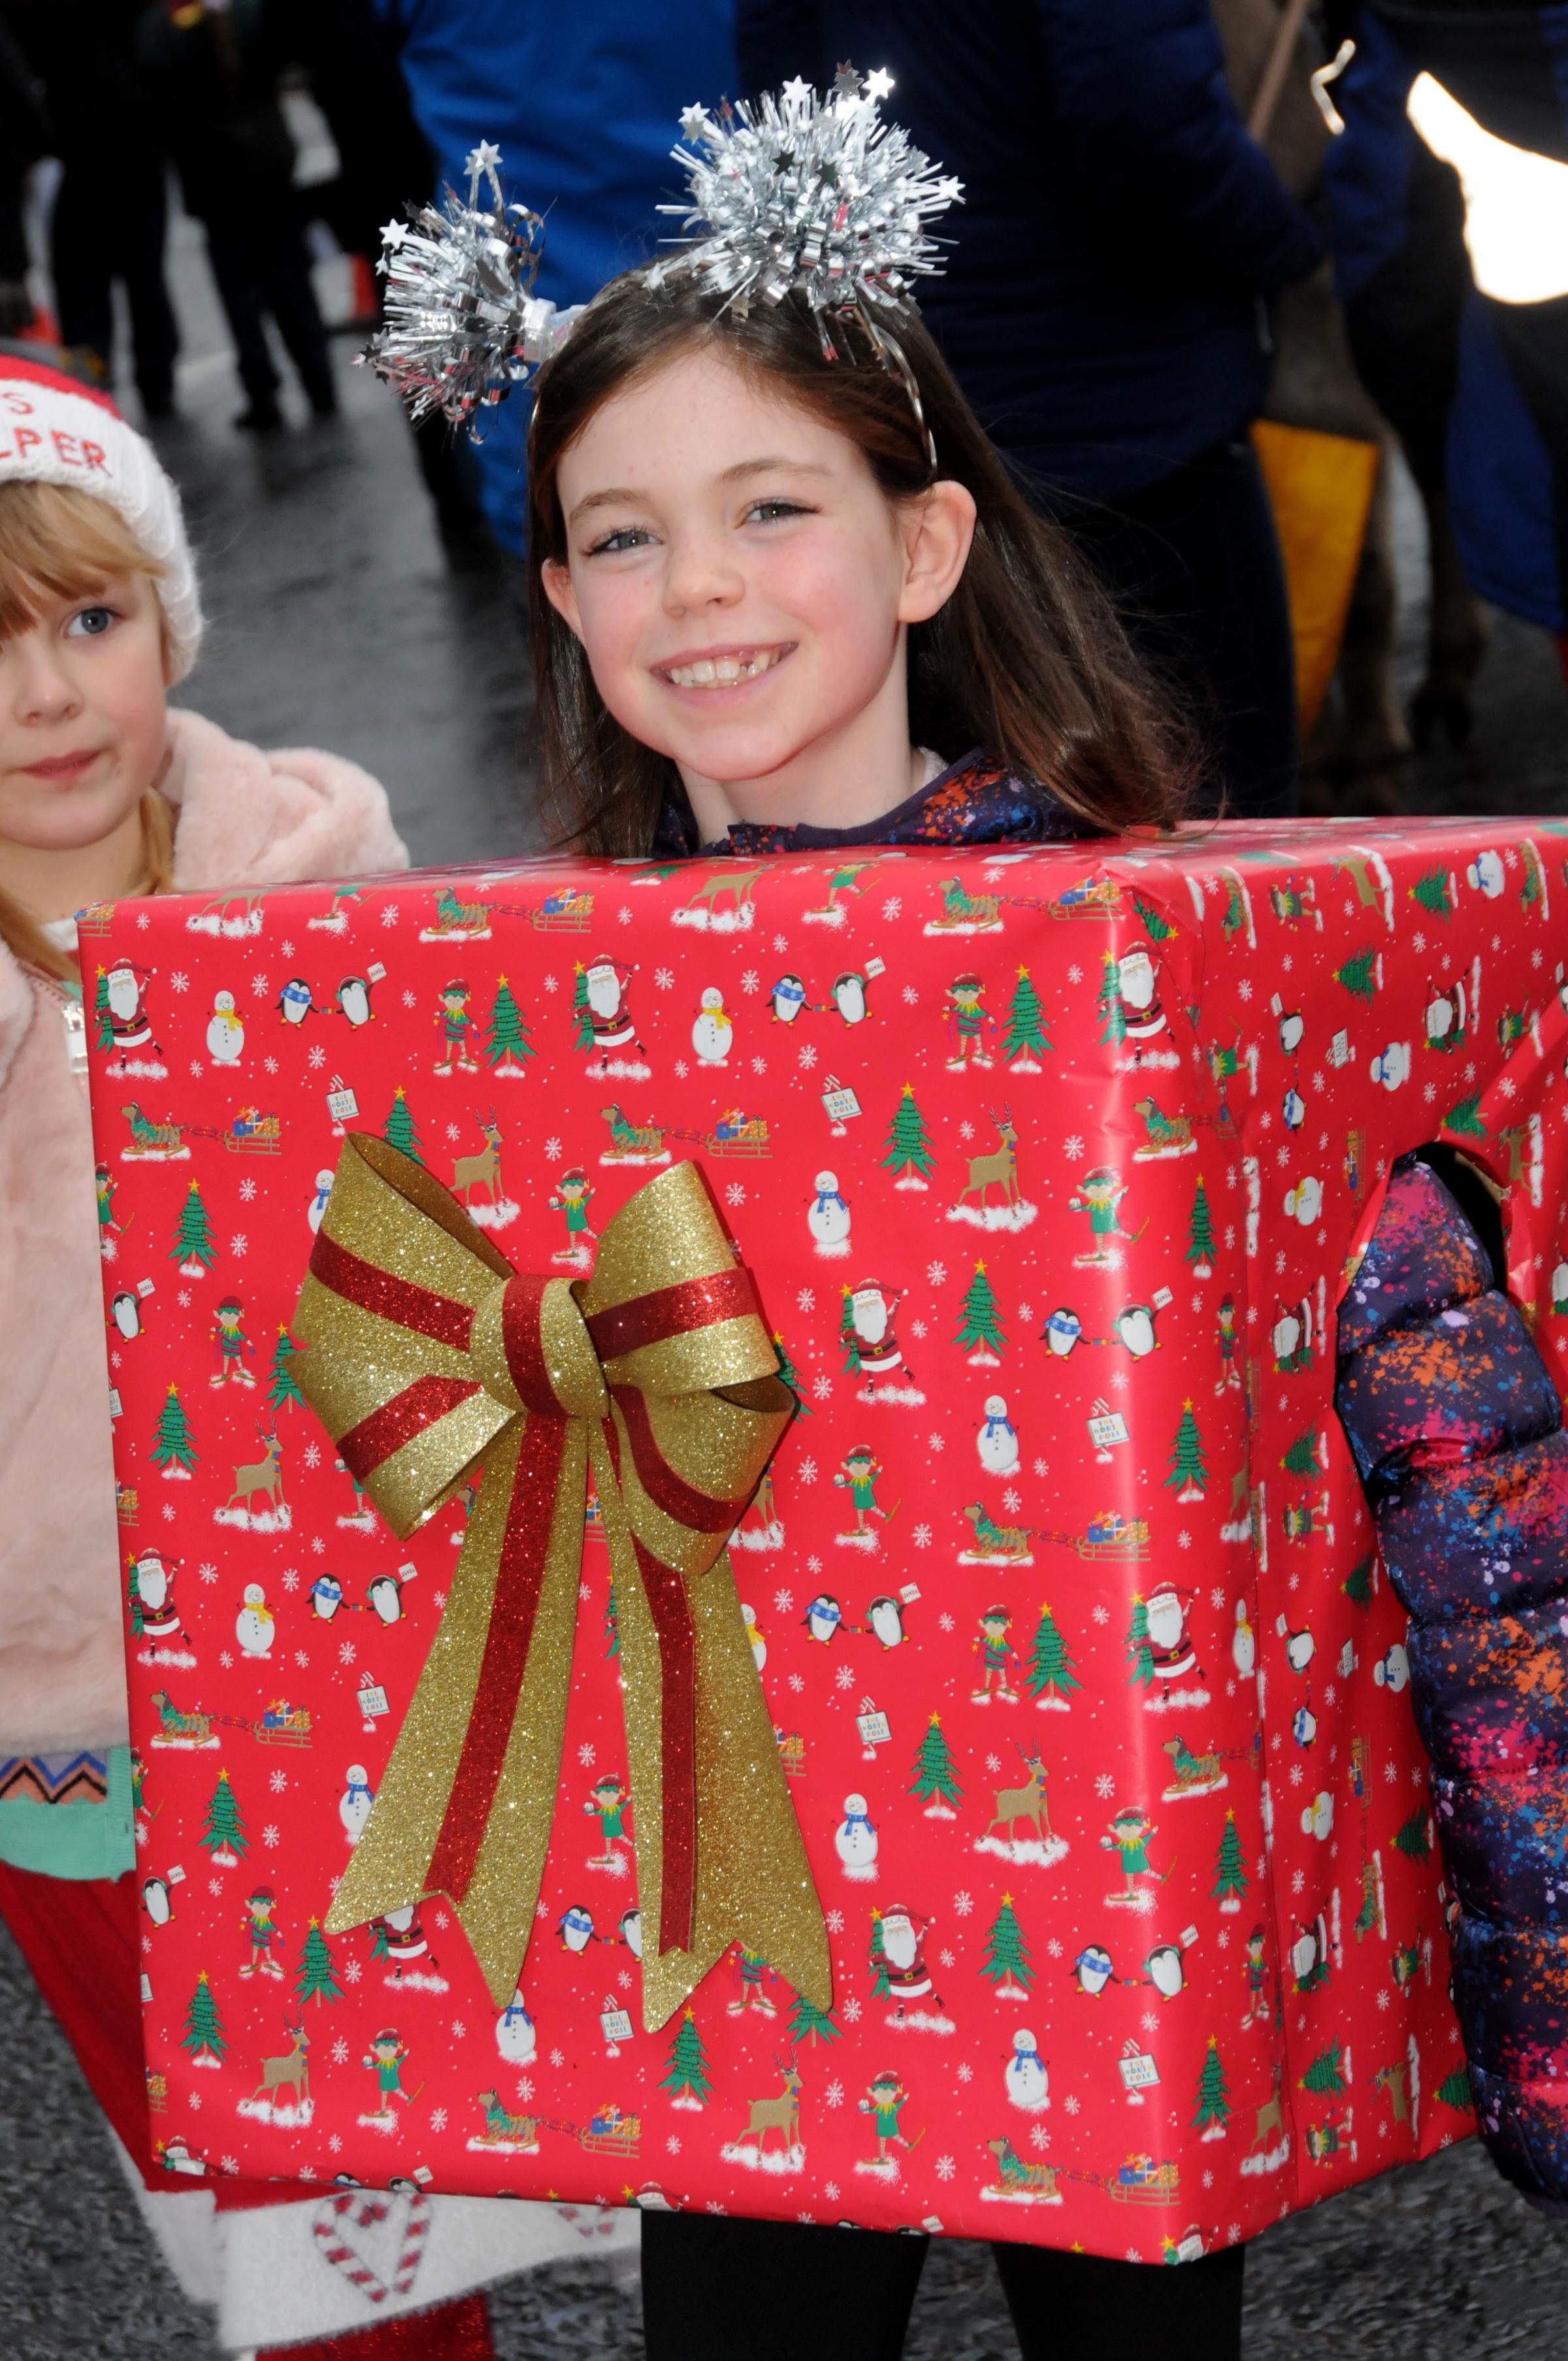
[
  {"x": 1104, "y": 302},
  {"x": 1506, "y": 433},
  {"x": 585, "y": 103}
]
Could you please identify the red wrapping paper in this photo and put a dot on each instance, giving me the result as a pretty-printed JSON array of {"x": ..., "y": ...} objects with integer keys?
[{"x": 1049, "y": 1166}]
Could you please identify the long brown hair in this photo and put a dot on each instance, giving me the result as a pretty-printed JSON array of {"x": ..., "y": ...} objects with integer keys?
[
  {"x": 66, "y": 543},
  {"x": 1027, "y": 659}
]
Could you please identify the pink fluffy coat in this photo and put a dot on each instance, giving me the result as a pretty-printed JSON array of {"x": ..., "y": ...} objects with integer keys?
[{"x": 243, "y": 818}]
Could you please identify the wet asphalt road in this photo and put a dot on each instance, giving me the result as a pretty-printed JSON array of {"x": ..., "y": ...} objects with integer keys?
[{"x": 337, "y": 619}]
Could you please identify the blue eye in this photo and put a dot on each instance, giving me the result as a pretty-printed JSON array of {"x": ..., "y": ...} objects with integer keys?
[
  {"x": 629, "y": 536},
  {"x": 769, "y": 512},
  {"x": 91, "y": 624}
]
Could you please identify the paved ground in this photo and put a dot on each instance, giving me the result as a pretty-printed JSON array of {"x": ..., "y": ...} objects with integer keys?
[{"x": 338, "y": 619}]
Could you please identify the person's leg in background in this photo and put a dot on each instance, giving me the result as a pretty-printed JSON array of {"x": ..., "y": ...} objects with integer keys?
[
  {"x": 1193, "y": 565},
  {"x": 231, "y": 253},
  {"x": 140, "y": 215},
  {"x": 1066, "y": 2304},
  {"x": 723, "y": 2288},
  {"x": 82, "y": 270},
  {"x": 285, "y": 273}
]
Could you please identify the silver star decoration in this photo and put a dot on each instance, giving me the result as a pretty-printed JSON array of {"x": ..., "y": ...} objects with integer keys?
[
  {"x": 879, "y": 84},
  {"x": 485, "y": 157},
  {"x": 393, "y": 234},
  {"x": 696, "y": 124}
]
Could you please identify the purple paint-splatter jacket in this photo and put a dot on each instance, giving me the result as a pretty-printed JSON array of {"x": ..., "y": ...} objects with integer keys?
[{"x": 1457, "y": 1434}]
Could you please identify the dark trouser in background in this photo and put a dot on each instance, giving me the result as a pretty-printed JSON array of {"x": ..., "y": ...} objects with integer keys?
[
  {"x": 1193, "y": 565},
  {"x": 261, "y": 266},
  {"x": 109, "y": 222},
  {"x": 726, "y": 2290}
]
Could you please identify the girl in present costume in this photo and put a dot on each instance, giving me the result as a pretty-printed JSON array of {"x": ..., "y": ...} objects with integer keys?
[
  {"x": 106, "y": 792},
  {"x": 785, "y": 596}
]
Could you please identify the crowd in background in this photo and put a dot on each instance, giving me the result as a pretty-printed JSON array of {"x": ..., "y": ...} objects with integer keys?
[{"x": 1180, "y": 219}]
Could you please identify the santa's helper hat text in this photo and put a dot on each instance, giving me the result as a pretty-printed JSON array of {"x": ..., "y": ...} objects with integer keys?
[{"x": 56, "y": 430}]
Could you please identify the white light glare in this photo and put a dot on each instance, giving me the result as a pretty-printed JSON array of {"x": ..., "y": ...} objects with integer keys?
[{"x": 1515, "y": 202}]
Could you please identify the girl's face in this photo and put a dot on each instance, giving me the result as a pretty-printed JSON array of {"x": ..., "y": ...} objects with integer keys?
[
  {"x": 740, "y": 583},
  {"x": 82, "y": 716}
]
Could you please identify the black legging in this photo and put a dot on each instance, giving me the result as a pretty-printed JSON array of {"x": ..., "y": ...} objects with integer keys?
[{"x": 726, "y": 2290}]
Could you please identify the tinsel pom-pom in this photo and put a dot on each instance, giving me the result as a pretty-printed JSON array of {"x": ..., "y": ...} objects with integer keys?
[
  {"x": 818, "y": 195},
  {"x": 462, "y": 324}
]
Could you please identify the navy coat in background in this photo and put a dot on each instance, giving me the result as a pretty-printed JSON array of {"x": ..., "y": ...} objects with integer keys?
[{"x": 1105, "y": 302}]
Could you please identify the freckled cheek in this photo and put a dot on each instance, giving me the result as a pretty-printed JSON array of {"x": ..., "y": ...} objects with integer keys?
[
  {"x": 618, "y": 617},
  {"x": 837, "y": 592}
]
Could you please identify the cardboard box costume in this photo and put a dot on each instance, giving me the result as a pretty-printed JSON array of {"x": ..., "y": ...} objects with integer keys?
[{"x": 1020, "y": 1829}]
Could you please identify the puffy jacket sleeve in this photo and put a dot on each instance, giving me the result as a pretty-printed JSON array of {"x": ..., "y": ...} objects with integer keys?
[
  {"x": 1143, "y": 106},
  {"x": 1457, "y": 1435}
]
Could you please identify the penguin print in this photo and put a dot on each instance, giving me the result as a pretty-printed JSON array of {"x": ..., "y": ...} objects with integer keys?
[
  {"x": 155, "y": 1900},
  {"x": 294, "y": 1004},
  {"x": 850, "y": 997},
  {"x": 326, "y": 1597},
  {"x": 1061, "y": 1333},
  {"x": 788, "y": 998},
  {"x": 884, "y": 1622},
  {"x": 354, "y": 1000},
  {"x": 386, "y": 1597},
  {"x": 1094, "y": 1969},
  {"x": 124, "y": 1310},
  {"x": 823, "y": 1617},
  {"x": 576, "y": 1929}
]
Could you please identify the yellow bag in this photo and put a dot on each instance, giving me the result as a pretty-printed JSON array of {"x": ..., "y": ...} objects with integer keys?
[{"x": 1320, "y": 488}]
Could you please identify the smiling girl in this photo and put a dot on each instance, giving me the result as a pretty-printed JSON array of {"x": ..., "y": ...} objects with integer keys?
[{"x": 785, "y": 594}]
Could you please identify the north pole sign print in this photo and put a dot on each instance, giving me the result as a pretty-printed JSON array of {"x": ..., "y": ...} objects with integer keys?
[{"x": 1089, "y": 1692}]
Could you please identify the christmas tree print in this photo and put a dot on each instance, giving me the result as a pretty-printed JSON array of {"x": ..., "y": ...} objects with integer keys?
[
  {"x": 1213, "y": 2097},
  {"x": 223, "y": 1835},
  {"x": 686, "y": 2075},
  {"x": 194, "y": 1249},
  {"x": 1189, "y": 1469},
  {"x": 1025, "y": 1040},
  {"x": 1357, "y": 1584},
  {"x": 203, "y": 2034},
  {"x": 1157, "y": 927},
  {"x": 101, "y": 1011},
  {"x": 398, "y": 1130},
  {"x": 133, "y": 1600},
  {"x": 173, "y": 1445},
  {"x": 1413, "y": 1837},
  {"x": 506, "y": 1035},
  {"x": 611, "y": 1626},
  {"x": 881, "y": 1983},
  {"x": 1230, "y": 1870},
  {"x": 1139, "y": 1653},
  {"x": 980, "y": 1333},
  {"x": 908, "y": 1143},
  {"x": 316, "y": 1980},
  {"x": 935, "y": 1780},
  {"x": 1303, "y": 1457},
  {"x": 581, "y": 1014},
  {"x": 1051, "y": 1674},
  {"x": 1454, "y": 2091},
  {"x": 847, "y": 1336},
  {"x": 1200, "y": 1233},
  {"x": 1466, "y": 1118},
  {"x": 1329, "y": 2072},
  {"x": 1006, "y": 1962},
  {"x": 791, "y": 1377},
  {"x": 809, "y": 2023},
  {"x": 1362, "y": 974},
  {"x": 283, "y": 1388},
  {"x": 1114, "y": 1016},
  {"x": 1431, "y": 890}
]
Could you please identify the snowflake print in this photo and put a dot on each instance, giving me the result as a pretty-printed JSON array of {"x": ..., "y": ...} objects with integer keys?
[
  {"x": 673, "y": 2144},
  {"x": 239, "y": 1245},
  {"x": 1038, "y": 2136},
  {"x": 454, "y": 1131},
  {"x": 663, "y": 977},
  {"x": 966, "y": 2072},
  {"x": 808, "y": 1471},
  {"x": 821, "y": 1387},
  {"x": 910, "y": 997},
  {"x": 945, "y": 2167},
  {"x": 1012, "y": 1501},
  {"x": 340, "y": 2051},
  {"x": 459, "y": 2030},
  {"x": 551, "y": 982},
  {"x": 1104, "y": 1785},
  {"x": 966, "y": 1131},
  {"x": 1075, "y": 974},
  {"x": 271, "y": 1064},
  {"x": 312, "y": 1454},
  {"x": 781, "y": 943},
  {"x": 918, "y": 1329},
  {"x": 348, "y": 1653},
  {"x": 272, "y": 1834},
  {"x": 438, "y": 2116},
  {"x": 623, "y": 915},
  {"x": 260, "y": 986},
  {"x": 682, "y": 1069},
  {"x": 388, "y": 914},
  {"x": 935, "y": 1272},
  {"x": 750, "y": 980},
  {"x": 797, "y": 1684},
  {"x": 784, "y": 1601},
  {"x": 1073, "y": 1148},
  {"x": 946, "y": 1622},
  {"x": 214, "y": 1885},
  {"x": 585, "y": 1753},
  {"x": 551, "y": 1149},
  {"x": 834, "y": 2096},
  {"x": 892, "y": 906},
  {"x": 247, "y": 1189},
  {"x": 759, "y": 1065},
  {"x": 208, "y": 1571},
  {"x": 194, "y": 2097},
  {"x": 834, "y": 1922},
  {"x": 963, "y": 1905},
  {"x": 936, "y": 1443},
  {"x": 196, "y": 1069},
  {"x": 844, "y": 1678},
  {"x": 1243, "y": 987},
  {"x": 736, "y": 1193},
  {"x": 922, "y": 1536},
  {"x": 224, "y": 1658},
  {"x": 279, "y": 1782},
  {"x": 807, "y": 1055}
]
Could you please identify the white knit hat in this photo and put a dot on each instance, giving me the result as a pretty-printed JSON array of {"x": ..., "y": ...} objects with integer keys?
[{"x": 56, "y": 430}]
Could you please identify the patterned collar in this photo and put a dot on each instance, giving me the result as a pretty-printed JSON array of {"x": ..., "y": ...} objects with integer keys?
[{"x": 976, "y": 800}]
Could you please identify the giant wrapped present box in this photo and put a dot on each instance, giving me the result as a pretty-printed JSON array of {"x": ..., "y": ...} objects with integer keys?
[{"x": 741, "y": 1586}]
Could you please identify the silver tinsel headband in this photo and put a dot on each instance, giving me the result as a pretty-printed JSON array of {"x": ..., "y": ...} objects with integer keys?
[
  {"x": 462, "y": 322},
  {"x": 797, "y": 194}
]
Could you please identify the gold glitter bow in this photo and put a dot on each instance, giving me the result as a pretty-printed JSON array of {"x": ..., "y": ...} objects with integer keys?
[{"x": 429, "y": 1359}]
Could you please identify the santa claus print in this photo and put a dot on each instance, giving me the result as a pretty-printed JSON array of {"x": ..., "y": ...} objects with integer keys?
[
  {"x": 121, "y": 1009},
  {"x": 871, "y": 1348},
  {"x": 899, "y": 1969},
  {"x": 605, "y": 1023}
]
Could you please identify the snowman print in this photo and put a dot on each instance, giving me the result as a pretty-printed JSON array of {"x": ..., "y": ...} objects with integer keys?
[
  {"x": 515, "y": 2036},
  {"x": 997, "y": 1444},
  {"x": 1028, "y": 2084},
  {"x": 714, "y": 1030},
  {"x": 225, "y": 1033},
  {"x": 254, "y": 1626},
  {"x": 354, "y": 1805},
  {"x": 827, "y": 1219},
  {"x": 856, "y": 1842}
]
